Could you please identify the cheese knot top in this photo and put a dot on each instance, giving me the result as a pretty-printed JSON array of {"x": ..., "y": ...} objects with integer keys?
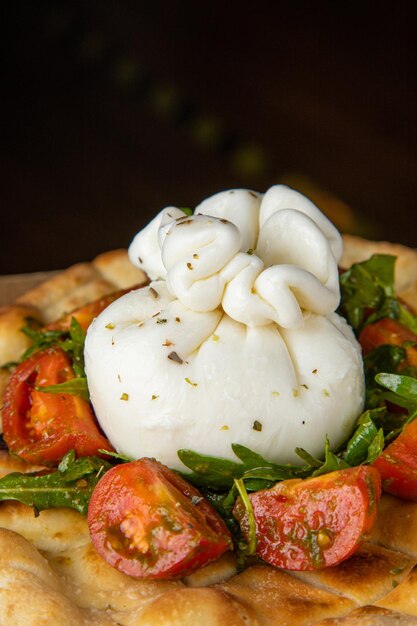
[
  {"x": 262, "y": 259},
  {"x": 235, "y": 340}
]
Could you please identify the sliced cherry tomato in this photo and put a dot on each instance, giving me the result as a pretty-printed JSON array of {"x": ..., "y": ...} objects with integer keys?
[
  {"x": 41, "y": 427},
  {"x": 313, "y": 523},
  {"x": 85, "y": 314},
  {"x": 389, "y": 331},
  {"x": 397, "y": 464},
  {"x": 148, "y": 522}
]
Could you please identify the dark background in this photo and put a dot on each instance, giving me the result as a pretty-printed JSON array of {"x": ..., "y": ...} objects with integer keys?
[{"x": 112, "y": 110}]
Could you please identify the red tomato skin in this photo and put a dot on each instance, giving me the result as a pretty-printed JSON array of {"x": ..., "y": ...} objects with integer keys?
[
  {"x": 317, "y": 522},
  {"x": 397, "y": 464},
  {"x": 148, "y": 522},
  {"x": 387, "y": 331},
  {"x": 42, "y": 427}
]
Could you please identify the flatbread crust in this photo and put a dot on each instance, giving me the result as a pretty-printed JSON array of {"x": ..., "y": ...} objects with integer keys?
[{"x": 50, "y": 572}]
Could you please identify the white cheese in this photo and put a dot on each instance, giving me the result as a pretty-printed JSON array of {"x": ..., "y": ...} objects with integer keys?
[{"x": 232, "y": 345}]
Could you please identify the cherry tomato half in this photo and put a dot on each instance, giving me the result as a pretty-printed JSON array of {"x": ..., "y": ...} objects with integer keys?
[
  {"x": 313, "y": 523},
  {"x": 397, "y": 464},
  {"x": 148, "y": 522},
  {"x": 41, "y": 427},
  {"x": 389, "y": 331}
]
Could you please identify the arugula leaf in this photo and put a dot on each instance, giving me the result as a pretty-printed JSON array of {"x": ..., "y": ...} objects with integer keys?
[
  {"x": 369, "y": 285},
  {"x": 74, "y": 346},
  {"x": 249, "y": 547},
  {"x": 218, "y": 473},
  {"x": 117, "y": 455},
  {"x": 70, "y": 486},
  {"x": 376, "y": 446},
  {"x": 365, "y": 443},
  {"x": 368, "y": 294},
  {"x": 71, "y": 342},
  {"x": 385, "y": 358},
  {"x": 250, "y": 458},
  {"x": 402, "y": 390},
  {"x": 331, "y": 461},
  {"x": 74, "y": 387},
  {"x": 308, "y": 458},
  {"x": 389, "y": 422},
  {"x": 403, "y": 386},
  {"x": 210, "y": 471},
  {"x": 259, "y": 475},
  {"x": 224, "y": 503},
  {"x": 41, "y": 339}
]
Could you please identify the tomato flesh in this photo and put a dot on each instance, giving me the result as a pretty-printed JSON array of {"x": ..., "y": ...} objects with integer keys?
[
  {"x": 148, "y": 522},
  {"x": 313, "y": 523},
  {"x": 387, "y": 331},
  {"x": 397, "y": 464},
  {"x": 41, "y": 427}
]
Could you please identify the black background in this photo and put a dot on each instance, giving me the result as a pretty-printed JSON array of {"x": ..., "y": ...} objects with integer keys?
[{"x": 112, "y": 110}]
